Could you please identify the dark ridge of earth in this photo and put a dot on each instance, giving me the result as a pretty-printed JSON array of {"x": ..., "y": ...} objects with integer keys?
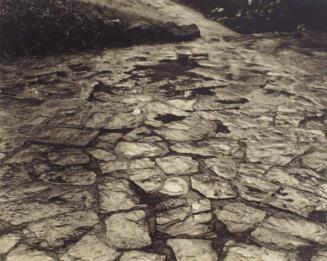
[{"x": 34, "y": 27}]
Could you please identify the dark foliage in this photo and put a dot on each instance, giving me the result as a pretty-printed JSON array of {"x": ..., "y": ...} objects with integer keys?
[
  {"x": 50, "y": 25},
  {"x": 253, "y": 16}
]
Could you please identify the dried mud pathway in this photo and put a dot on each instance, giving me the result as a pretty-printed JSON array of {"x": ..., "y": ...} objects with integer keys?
[{"x": 207, "y": 150}]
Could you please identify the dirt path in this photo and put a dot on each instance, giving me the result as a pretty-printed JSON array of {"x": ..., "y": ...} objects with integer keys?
[{"x": 205, "y": 150}]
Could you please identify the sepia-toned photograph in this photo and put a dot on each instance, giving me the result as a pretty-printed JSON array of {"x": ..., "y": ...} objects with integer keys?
[{"x": 163, "y": 130}]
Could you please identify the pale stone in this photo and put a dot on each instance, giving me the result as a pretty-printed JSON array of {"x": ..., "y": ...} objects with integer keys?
[
  {"x": 140, "y": 256},
  {"x": 103, "y": 120},
  {"x": 255, "y": 188},
  {"x": 207, "y": 148},
  {"x": 316, "y": 160},
  {"x": 213, "y": 187},
  {"x": 175, "y": 187},
  {"x": 117, "y": 195},
  {"x": 24, "y": 253},
  {"x": 193, "y": 250},
  {"x": 246, "y": 252},
  {"x": 140, "y": 149},
  {"x": 298, "y": 201},
  {"x": 223, "y": 166},
  {"x": 297, "y": 227},
  {"x": 90, "y": 248},
  {"x": 128, "y": 230},
  {"x": 13, "y": 192},
  {"x": 149, "y": 180},
  {"x": 177, "y": 165},
  {"x": 67, "y": 136},
  {"x": 181, "y": 217},
  {"x": 73, "y": 176},
  {"x": 102, "y": 155},
  {"x": 279, "y": 240},
  {"x": 55, "y": 232},
  {"x": 118, "y": 165},
  {"x": 7, "y": 242},
  {"x": 68, "y": 157},
  {"x": 239, "y": 217},
  {"x": 190, "y": 129}
]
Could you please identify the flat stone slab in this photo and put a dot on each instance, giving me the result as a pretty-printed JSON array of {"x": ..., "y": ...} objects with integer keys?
[
  {"x": 192, "y": 249},
  {"x": 239, "y": 217},
  {"x": 117, "y": 194},
  {"x": 128, "y": 230},
  {"x": 254, "y": 253},
  {"x": 67, "y": 157},
  {"x": 177, "y": 165},
  {"x": 213, "y": 187},
  {"x": 66, "y": 136},
  {"x": 140, "y": 149},
  {"x": 90, "y": 248},
  {"x": 55, "y": 232},
  {"x": 22, "y": 253},
  {"x": 141, "y": 256}
]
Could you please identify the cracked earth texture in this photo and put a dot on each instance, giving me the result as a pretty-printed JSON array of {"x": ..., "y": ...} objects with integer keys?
[{"x": 207, "y": 150}]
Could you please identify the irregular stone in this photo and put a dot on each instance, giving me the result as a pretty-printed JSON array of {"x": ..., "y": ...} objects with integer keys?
[
  {"x": 316, "y": 160},
  {"x": 298, "y": 201},
  {"x": 239, "y": 217},
  {"x": 55, "y": 232},
  {"x": 223, "y": 166},
  {"x": 137, "y": 134},
  {"x": 141, "y": 256},
  {"x": 296, "y": 227},
  {"x": 13, "y": 192},
  {"x": 299, "y": 178},
  {"x": 153, "y": 109},
  {"x": 320, "y": 256},
  {"x": 184, "y": 217},
  {"x": 246, "y": 252},
  {"x": 177, "y": 165},
  {"x": 128, "y": 230},
  {"x": 68, "y": 157},
  {"x": 66, "y": 136},
  {"x": 117, "y": 194},
  {"x": 175, "y": 187},
  {"x": 20, "y": 212},
  {"x": 255, "y": 188},
  {"x": 102, "y": 155},
  {"x": 90, "y": 248},
  {"x": 140, "y": 149},
  {"x": 117, "y": 165},
  {"x": 23, "y": 253},
  {"x": 207, "y": 148},
  {"x": 7, "y": 242},
  {"x": 190, "y": 129},
  {"x": 192, "y": 250},
  {"x": 274, "y": 152},
  {"x": 149, "y": 180},
  {"x": 103, "y": 120},
  {"x": 213, "y": 187},
  {"x": 184, "y": 105},
  {"x": 110, "y": 138},
  {"x": 278, "y": 240},
  {"x": 10, "y": 175},
  {"x": 72, "y": 176}
]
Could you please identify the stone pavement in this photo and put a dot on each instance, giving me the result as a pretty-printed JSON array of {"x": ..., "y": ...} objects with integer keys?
[{"x": 208, "y": 150}]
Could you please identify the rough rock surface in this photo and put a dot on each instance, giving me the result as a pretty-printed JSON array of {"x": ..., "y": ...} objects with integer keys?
[
  {"x": 167, "y": 151},
  {"x": 192, "y": 250},
  {"x": 128, "y": 230}
]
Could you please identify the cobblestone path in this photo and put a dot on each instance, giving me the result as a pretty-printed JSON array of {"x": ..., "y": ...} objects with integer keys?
[{"x": 208, "y": 150}]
